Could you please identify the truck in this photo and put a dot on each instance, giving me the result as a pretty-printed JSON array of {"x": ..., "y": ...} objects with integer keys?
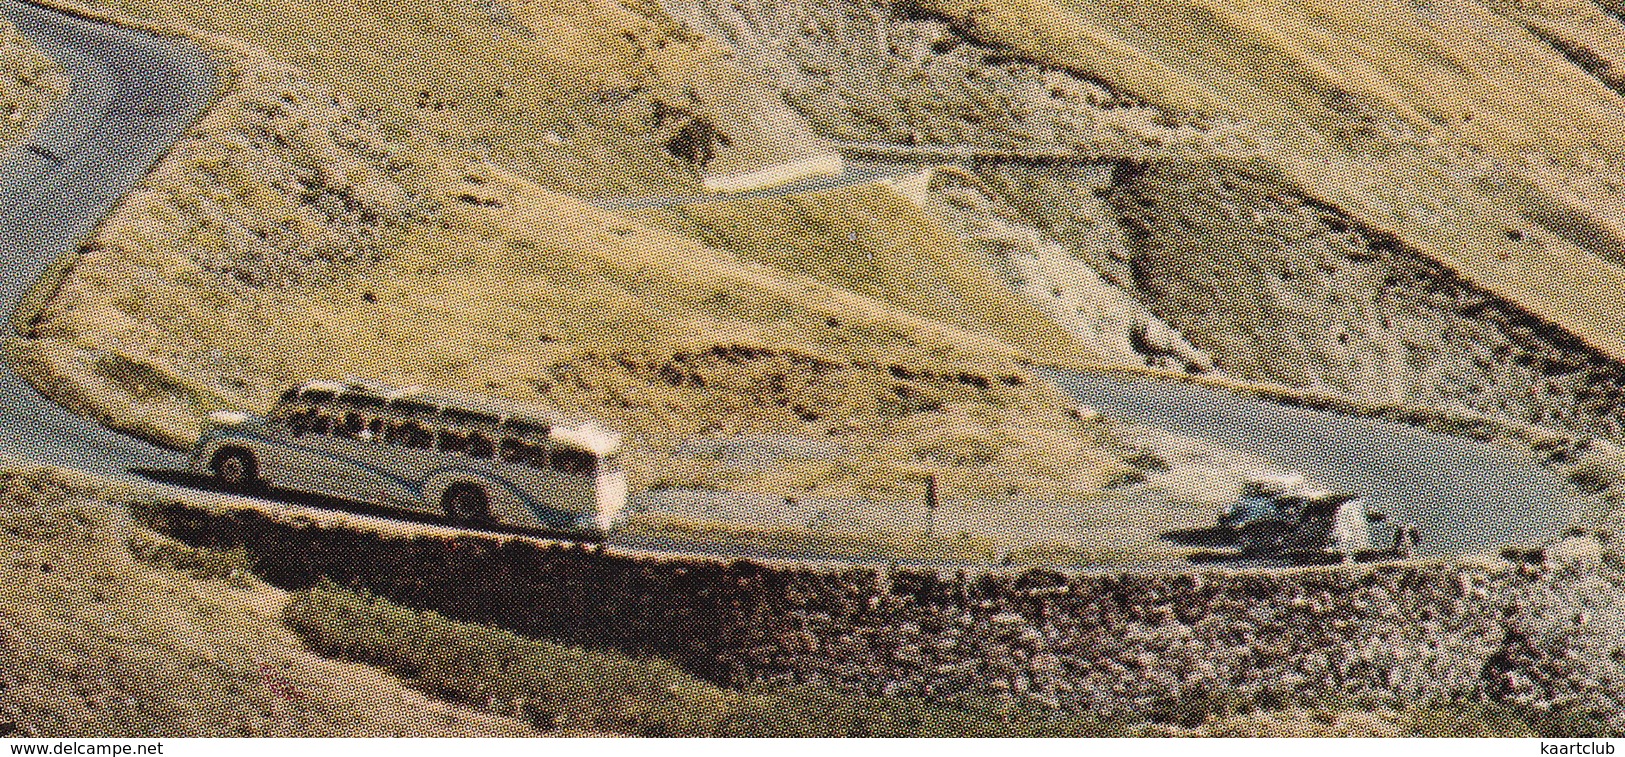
[{"x": 1284, "y": 516}]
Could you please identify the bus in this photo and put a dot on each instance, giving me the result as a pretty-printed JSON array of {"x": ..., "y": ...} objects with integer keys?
[{"x": 475, "y": 460}]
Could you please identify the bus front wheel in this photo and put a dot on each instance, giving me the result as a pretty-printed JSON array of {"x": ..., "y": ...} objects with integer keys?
[
  {"x": 466, "y": 503},
  {"x": 235, "y": 469}
]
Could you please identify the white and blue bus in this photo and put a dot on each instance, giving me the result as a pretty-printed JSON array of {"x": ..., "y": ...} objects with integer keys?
[{"x": 474, "y": 459}]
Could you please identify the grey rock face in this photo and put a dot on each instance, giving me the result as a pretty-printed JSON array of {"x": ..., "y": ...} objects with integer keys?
[
  {"x": 868, "y": 71},
  {"x": 1056, "y": 280},
  {"x": 1278, "y": 287}
]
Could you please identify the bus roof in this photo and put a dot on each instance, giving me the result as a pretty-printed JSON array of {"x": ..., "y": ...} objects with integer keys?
[{"x": 587, "y": 435}]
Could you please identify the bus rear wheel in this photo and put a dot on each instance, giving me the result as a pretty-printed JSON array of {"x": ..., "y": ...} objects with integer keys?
[
  {"x": 466, "y": 503},
  {"x": 235, "y": 469}
]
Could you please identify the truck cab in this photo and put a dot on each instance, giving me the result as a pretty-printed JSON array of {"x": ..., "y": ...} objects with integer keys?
[{"x": 1285, "y": 517}]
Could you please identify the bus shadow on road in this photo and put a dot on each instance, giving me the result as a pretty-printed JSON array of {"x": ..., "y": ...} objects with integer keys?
[
  {"x": 200, "y": 482},
  {"x": 1218, "y": 546},
  {"x": 1239, "y": 559}
]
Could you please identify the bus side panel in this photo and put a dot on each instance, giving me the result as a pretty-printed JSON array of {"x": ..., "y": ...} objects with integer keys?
[
  {"x": 507, "y": 506},
  {"x": 290, "y": 465},
  {"x": 278, "y": 465},
  {"x": 303, "y": 466},
  {"x": 324, "y": 467},
  {"x": 369, "y": 471},
  {"x": 556, "y": 500}
]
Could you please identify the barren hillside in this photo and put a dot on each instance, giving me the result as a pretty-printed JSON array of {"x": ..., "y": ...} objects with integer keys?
[
  {"x": 1411, "y": 202},
  {"x": 590, "y": 97}
]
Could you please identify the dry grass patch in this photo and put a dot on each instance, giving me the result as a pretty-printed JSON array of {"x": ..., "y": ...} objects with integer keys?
[
  {"x": 585, "y": 96},
  {"x": 1047, "y": 32},
  {"x": 871, "y": 241},
  {"x": 177, "y": 643},
  {"x": 1309, "y": 63},
  {"x": 1470, "y": 137}
]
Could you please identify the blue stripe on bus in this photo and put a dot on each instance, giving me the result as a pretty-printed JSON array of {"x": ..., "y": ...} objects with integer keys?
[{"x": 536, "y": 507}]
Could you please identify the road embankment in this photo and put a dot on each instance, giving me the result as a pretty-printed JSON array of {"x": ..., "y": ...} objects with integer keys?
[{"x": 1169, "y": 647}]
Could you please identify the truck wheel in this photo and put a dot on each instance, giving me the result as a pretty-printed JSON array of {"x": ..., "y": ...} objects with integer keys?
[
  {"x": 466, "y": 503},
  {"x": 235, "y": 469}
]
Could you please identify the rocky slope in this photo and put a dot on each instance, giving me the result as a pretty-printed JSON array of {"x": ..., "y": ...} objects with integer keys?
[
  {"x": 901, "y": 74},
  {"x": 1194, "y": 244},
  {"x": 1277, "y": 286},
  {"x": 283, "y": 184},
  {"x": 1065, "y": 286}
]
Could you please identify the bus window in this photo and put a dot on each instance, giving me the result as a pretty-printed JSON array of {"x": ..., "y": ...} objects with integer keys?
[
  {"x": 451, "y": 441},
  {"x": 352, "y": 426},
  {"x": 468, "y": 417},
  {"x": 410, "y": 409},
  {"x": 539, "y": 457},
  {"x": 318, "y": 396},
  {"x": 526, "y": 428},
  {"x": 573, "y": 462},
  {"x": 479, "y": 446},
  {"x": 412, "y": 434},
  {"x": 361, "y": 401},
  {"x": 514, "y": 451}
]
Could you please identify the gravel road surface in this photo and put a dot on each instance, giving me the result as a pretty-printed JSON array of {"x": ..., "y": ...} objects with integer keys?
[
  {"x": 132, "y": 95},
  {"x": 1465, "y": 496}
]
